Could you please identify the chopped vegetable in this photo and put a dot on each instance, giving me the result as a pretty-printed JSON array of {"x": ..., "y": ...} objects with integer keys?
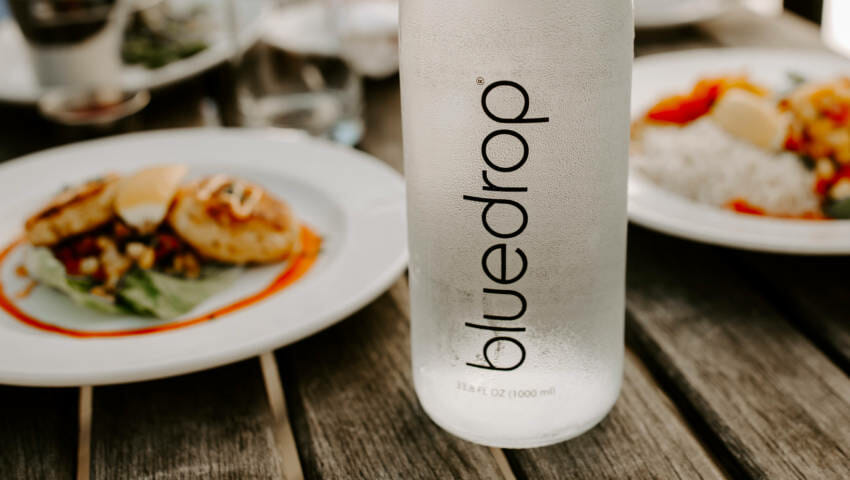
[
  {"x": 839, "y": 209},
  {"x": 44, "y": 267},
  {"x": 820, "y": 125},
  {"x": 144, "y": 292},
  {"x": 683, "y": 109},
  {"x": 152, "y": 293}
]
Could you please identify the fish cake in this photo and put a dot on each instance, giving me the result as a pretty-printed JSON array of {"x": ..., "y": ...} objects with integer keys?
[
  {"x": 234, "y": 221},
  {"x": 73, "y": 211}
]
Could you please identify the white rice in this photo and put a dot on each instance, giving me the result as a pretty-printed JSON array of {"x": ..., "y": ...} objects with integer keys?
[{"x": 705, "y": 163}]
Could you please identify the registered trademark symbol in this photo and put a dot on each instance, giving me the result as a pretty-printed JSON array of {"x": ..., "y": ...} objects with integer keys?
[{"x": 479, "y": 81}]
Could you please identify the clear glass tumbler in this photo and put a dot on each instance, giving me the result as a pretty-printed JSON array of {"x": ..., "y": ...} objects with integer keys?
[{"x": 294, "y": 77}]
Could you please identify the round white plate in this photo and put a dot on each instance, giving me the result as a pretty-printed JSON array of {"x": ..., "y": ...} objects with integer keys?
[
  {"x": 674, "y": 13},
  {"x": 658, "y": 75},
  {"x": 355, "y": 202},
  {"x": 18, "y": 83}
]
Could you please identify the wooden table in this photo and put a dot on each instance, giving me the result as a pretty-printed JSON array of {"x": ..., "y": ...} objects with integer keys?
[{"x": 736, "y": 365}]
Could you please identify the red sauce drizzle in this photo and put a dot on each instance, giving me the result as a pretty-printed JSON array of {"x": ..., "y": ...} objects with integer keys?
[
  {"x": 742, "y": 206},
  {"x": 297, "y": 268}
]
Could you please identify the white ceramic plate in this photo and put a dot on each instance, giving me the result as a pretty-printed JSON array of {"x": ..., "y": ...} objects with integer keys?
[
  {"x": 673, "y": 13},
  {"x": 18, "y": 83},
  {"x": 355, "y": 202},
  {"x": 658, "y": 75}
]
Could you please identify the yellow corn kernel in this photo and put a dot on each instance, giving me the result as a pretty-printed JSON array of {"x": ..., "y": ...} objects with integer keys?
[
  {"x": 842, "y": 155},
  {"x": 89, "y": 265},
  {"x": 135, "y": 250},
  {"x": 100, "y": 291},
  {"x": 146, "y": 259},
  {"x": 104, "y": 243},
  {"x": 841, "y": 189},
  {"x": 824, "y": 168},
  {"x": 820, "y": 128}
]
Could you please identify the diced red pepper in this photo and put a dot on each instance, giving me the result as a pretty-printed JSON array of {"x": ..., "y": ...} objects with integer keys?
[
  {"x": 839, "y": 114},
  {"x": 822, "y": 186},
  {"x": 69, "y": 260},
  {"x": 99, "y": 275},
  {"x": 742, "y": 206},
  {"x": 683, "y": 109},
  {"x": 793, "y": 143},
  {"x": 86, "y": 247},
  {"x": 165, "y": 245},
  {"x": 843, "y": 172},
  {"x": 121, "y": 231}
]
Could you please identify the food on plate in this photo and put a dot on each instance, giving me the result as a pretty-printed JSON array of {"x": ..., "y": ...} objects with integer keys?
[
  {"x": 161, "y": 34},
  {"x": 146, "y": 244},
  {"x": 820, "y": 115},
  {"x": 73, "y": 211},
  {"x": 751, "y": 118},
  {"x": 734, "y": 144},
  {"x": 234, "y": 221},
  {"x": 143, "y": 199},
  {"x": 683, "y": 109},
  {"x": 703, "y": 162},
  {"x": 820, "y": 131}
]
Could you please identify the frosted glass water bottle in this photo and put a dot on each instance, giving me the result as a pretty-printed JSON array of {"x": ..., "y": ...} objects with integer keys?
[{"x": 516, "y": 124}]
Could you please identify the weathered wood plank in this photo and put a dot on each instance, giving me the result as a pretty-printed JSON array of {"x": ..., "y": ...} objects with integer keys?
[
  {"x": 214, "y": 424},
  {"x": 38, "y": 433},
  {"x": 354, "y": 412},
  {"x": 778, "y": 405},
  {"x": 283, "y": 429},
  {"x": 642, "y": 437},
  {"x": 814, "y": 291}
]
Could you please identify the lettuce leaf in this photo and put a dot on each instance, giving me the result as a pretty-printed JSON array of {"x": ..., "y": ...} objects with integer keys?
[
  {"x": 42, "y": 266},
  {"x": 152, "y": 293},
  {"x": 143, "y": 292}
]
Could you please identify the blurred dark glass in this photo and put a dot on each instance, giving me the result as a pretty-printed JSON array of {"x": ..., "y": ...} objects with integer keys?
[
  {"x": 57, "y": 22},
  {"x": 809, "y": 9}
]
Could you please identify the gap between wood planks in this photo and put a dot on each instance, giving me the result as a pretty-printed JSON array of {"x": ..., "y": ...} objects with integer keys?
[
  {"x": 283, "y": 435},
  {"x": 682, "y": 408},
  {"x": 714, "y": 447},
  {"x": 282, "y": 429},
  {"x": 287, "y": 447},
  {"x": 788, "y": 307},
  {"x": 286, "y": 439}
]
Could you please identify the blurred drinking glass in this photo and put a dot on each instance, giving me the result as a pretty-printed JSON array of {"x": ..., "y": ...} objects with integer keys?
[
  {"x": 836, "y": 25},
  {"x": 75, "y": 49},
  {"x": 295, "y": 77},
  {"x": 73, "y": 43}
]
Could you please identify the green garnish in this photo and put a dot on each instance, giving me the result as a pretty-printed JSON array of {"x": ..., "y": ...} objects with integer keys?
[
  {"x": 839, "y": 209},
  {"x": 141, "y": 292}
]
